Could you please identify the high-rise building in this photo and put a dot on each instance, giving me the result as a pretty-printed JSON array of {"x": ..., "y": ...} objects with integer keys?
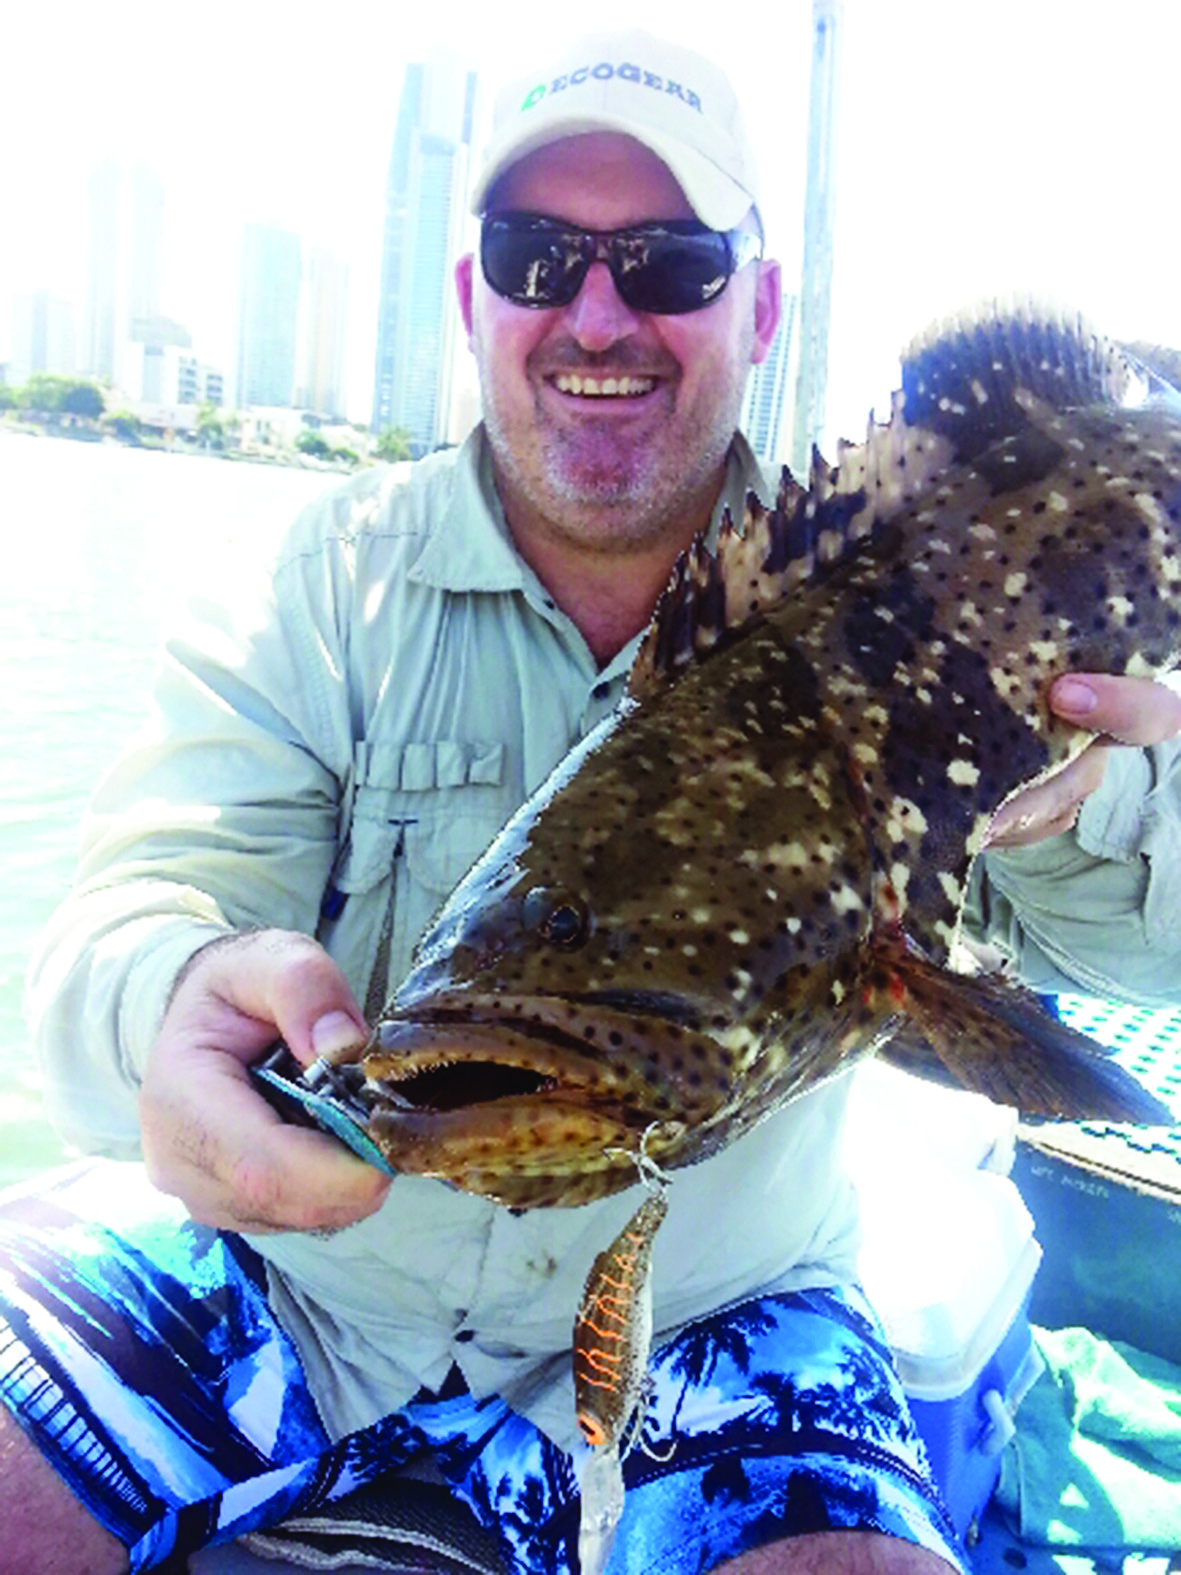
[
  {"x": 267, "y": 321},
  {"x": 765, "y": 404},
  {"x": 42, "y": 336},
  {"x": 126, "y": 243},
  {"x": 320, "y": 336},
  {"x": 425, "y": 191}
]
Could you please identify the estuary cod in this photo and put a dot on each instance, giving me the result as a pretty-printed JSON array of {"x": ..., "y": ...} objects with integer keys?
[{"x": 754, "y": 872}]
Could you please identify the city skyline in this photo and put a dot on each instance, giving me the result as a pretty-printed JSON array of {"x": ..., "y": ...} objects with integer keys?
[
  {"x": 977, "y": 153},
  {"x": 425, "y": 195}
]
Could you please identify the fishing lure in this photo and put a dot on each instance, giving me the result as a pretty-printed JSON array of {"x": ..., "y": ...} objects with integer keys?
[{"x": 612, "y": 1334}]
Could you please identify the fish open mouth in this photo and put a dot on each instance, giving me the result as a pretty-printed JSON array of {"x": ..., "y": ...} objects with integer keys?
[
  {"x": 445, "y": 1062},
  {"x": 452, "y": 1085},
  {"x": 517, "y": 1100}
]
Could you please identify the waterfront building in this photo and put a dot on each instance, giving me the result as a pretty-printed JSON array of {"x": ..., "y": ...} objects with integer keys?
[
  {"x": 171, "y": 378},
  {"x": 320, "y": 334},
  {"x": 426, "y": 187},
  {"x": 764, "y": 408},
  {"x": 42, "y": 336},
  {"x": 126, "y": 226},
  {"x": 144, "y": 375},
  {"x": 268, "y": 316}
]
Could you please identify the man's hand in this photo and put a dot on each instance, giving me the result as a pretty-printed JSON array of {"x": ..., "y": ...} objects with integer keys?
[
  {"x": 1118, "y": 711},
  {"x": 209, "y": 1137}
]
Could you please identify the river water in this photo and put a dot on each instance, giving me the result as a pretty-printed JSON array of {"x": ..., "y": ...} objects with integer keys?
[{"x": 101, "y": 544}]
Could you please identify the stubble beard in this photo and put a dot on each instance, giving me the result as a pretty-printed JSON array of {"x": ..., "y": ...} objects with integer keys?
[{"x": 595, "y": 485}]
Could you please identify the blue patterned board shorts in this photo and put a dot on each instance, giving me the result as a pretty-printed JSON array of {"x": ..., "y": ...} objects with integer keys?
[{"x": 146, "y": 1364}]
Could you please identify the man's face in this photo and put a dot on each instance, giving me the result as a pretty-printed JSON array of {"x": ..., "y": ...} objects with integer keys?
[{"x": 610, "y": 426}]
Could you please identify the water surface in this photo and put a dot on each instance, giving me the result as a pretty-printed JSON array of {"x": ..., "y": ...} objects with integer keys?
[{"x": 101, "y": 544}]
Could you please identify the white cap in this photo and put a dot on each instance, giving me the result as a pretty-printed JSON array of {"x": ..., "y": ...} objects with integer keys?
[{"x": 673, "y": 100}]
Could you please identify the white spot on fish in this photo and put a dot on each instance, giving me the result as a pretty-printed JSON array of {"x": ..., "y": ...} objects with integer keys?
[
  {"x": 846, "y": 900},
  {"x": 739, "y": 937},
  {"x": 1120, "y": 608},
  {"x": 952, "y": 889},
  {"x": 906, "y": 819},
  {"x": 1015, "y": 585},
  {"x": 1006, "y": 684},
  {"x": 837, "y": 992},
  {"x": 963, "y": 773},
  {"x": 1057, "y": 503}
]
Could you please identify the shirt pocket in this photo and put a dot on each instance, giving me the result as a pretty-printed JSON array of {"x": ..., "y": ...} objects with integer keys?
[{"x": 418, "y": 817}]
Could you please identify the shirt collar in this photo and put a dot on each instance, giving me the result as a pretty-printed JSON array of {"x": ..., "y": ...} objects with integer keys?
[{"x": 470, "y": 547}]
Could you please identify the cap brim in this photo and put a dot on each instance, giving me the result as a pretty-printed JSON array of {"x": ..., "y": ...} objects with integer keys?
[{"x": 716, "y": 199}]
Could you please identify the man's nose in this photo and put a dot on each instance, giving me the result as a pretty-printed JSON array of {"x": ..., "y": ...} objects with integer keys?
[{"x": 598, "y": 316}]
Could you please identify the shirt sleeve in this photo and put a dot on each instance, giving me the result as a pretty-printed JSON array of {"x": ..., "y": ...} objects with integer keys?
[
  {"x": 1097, "y": 910},
  {"x": 222, "y": 817}
]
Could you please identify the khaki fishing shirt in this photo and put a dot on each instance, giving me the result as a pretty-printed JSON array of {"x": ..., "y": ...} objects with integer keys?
[{"x": 329, "y": 751}]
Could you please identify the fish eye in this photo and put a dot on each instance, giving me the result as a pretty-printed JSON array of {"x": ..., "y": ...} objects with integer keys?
[{"x": 558, "y": 916}]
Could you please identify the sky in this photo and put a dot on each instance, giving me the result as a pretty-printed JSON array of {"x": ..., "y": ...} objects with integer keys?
[{"x": 1010, "y": 148}]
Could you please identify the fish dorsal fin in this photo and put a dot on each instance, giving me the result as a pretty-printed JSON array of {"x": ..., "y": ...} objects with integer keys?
[
  {"x": 973, "y": 377},
  {"x": 967, "y": 382},
  {"x": 712, "y": 594}
]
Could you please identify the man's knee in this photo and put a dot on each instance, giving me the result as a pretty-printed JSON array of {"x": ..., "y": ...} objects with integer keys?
[
  {"x": 47, "y": 1529},
  {"x": 838, "y": 1553}
]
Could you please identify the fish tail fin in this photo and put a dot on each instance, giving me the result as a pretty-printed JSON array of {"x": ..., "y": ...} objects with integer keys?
[{"x": 996, "y": 1038}]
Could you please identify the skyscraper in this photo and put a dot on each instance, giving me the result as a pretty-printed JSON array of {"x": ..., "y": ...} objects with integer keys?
[
  {"x": 268, "y": 316},
  {"x": 425, "y": 191},
  {"x": 320, "y": 336},
  {"x": 763, "y": 408},
  {"x": 126, "y": 242},
  {"x": 42, "y": 335}
]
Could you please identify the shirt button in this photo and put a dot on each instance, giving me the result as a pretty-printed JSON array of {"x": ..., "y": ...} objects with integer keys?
[
  {"x": 601, "y": 691},
  {"x": 464, "y": 1335}
]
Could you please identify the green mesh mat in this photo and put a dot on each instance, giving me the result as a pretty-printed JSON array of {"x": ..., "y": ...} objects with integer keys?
[{"x": 1148, "y": 1044}]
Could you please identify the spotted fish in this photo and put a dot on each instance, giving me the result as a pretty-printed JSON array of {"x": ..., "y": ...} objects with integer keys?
[{"x": 754, "y": 872}]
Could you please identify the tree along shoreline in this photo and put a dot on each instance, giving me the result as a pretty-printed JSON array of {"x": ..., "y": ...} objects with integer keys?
[{"x": 50, "y": 405}]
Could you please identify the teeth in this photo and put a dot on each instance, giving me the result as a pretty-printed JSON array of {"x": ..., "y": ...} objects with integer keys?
[{"x": 602, "y": 387}]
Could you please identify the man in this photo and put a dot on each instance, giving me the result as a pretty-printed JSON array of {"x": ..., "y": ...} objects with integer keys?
[{"x": 431, "y": 642}]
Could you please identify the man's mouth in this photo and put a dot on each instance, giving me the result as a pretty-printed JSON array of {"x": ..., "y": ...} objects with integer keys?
[{"x": 585, "y": 385}]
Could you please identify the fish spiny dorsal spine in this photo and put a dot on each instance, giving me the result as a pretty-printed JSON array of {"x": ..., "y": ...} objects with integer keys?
[{"x": 713, "y": 595}]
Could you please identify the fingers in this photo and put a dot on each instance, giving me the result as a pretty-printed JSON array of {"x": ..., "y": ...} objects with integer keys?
[
  {"x": 212, "y": 1141},
  {"x": 1052, "y": 806},
  {"x": 1128, "y": 710},
  {"x": 1135, "y": 711},
  {"x": 209, "y": 1137},
  {"x": 279, "y": 980}
]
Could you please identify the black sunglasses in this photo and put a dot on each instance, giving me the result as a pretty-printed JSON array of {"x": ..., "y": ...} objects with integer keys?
[{"x": 674, "y": 266}]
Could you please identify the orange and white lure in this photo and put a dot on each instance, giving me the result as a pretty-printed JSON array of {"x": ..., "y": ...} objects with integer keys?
[{"x": 612, "y": 1334}]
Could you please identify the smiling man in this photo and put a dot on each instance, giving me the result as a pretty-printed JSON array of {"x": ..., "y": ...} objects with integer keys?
[
  {"x": 609, "y": 425},
  {"x": 322, "y": 767}
]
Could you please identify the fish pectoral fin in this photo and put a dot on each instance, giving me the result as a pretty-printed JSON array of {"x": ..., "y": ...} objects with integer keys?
[{"x": 997, "y": 1039}]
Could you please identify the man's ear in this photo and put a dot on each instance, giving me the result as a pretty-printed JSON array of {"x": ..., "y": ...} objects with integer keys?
[
  {"x": 463, "y": 287},
  {"x": 768, "y": 309}
]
